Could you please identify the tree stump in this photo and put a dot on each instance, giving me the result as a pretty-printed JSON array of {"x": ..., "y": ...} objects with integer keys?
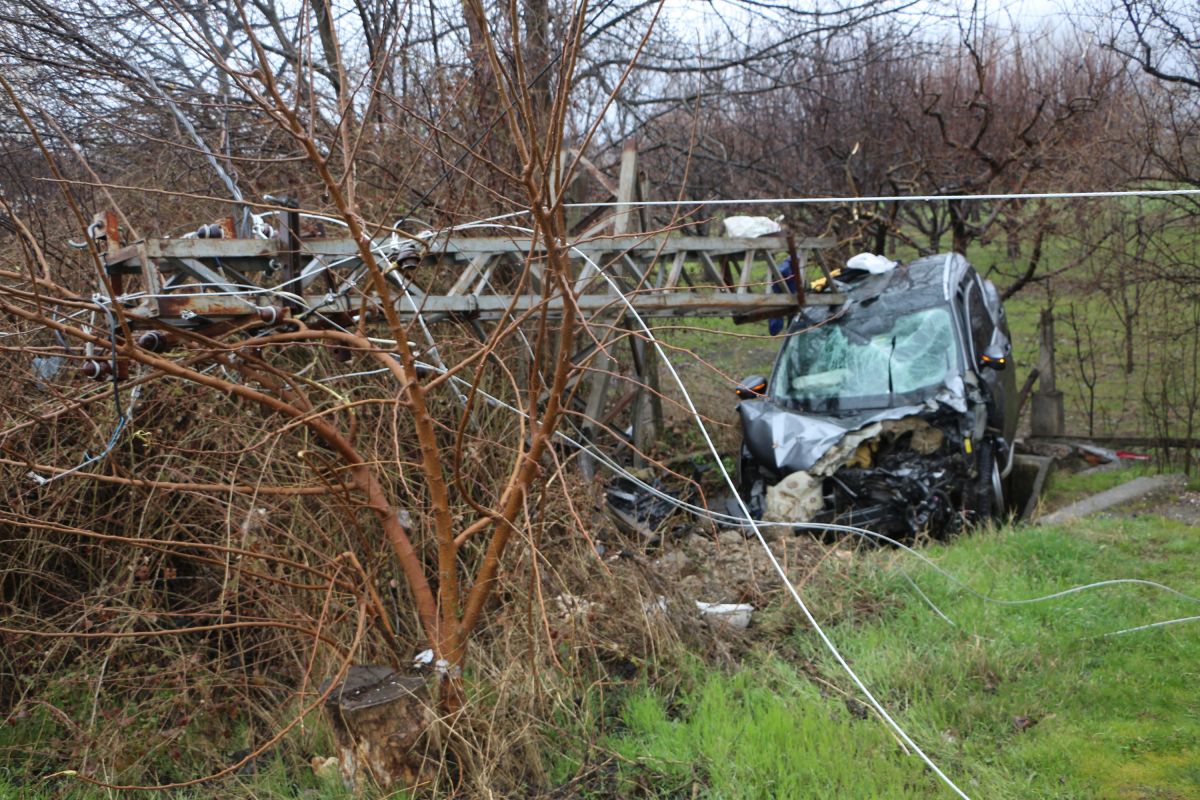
[{"x": 379, "y": 720}]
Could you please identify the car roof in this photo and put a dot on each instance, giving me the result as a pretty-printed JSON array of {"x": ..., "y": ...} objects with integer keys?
[
  {"x": 923, "y": 283},
  {"x": 936, "y": 274},
  {"x": 945, "y": 269},
  {"x": 932, "y": 277}
]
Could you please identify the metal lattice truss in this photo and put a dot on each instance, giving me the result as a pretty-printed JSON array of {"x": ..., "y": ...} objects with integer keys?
[
  {"x": 211, "y": 283},
  {"x": 198, "y": 282}
]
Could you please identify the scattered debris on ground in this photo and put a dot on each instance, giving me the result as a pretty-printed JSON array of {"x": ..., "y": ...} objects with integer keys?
[
  {"x": 732, "y": 569},
  {"x": 1080, "y": 456},
  {"x": 735, "y": 615},
  {"x": 641, "y": 513}
]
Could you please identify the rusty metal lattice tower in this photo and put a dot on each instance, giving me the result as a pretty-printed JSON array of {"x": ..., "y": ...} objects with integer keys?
[{"x": 212, "y": 283}]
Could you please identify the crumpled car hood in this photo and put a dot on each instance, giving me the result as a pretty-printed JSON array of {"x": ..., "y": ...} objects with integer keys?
[{"x": 788, "y": 441}]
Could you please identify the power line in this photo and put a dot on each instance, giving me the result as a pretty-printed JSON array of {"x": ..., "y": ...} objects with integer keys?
[
  {"x": 812, "y": 620},
  {"x": 922, "y": 198}
]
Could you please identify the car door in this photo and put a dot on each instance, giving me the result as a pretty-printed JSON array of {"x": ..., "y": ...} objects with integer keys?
[{"x": 986, "y": 328}]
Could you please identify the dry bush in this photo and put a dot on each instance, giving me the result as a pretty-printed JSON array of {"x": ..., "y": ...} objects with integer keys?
[{"x": 190, "y": 550}]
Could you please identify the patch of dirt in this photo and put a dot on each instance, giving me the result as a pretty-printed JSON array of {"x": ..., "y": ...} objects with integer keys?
[
  {"x": 1184, "y": 507},
  {"x": 734, "y": 569}
]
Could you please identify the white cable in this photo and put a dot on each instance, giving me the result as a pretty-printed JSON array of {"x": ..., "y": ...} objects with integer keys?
[
  {"x": 1154, "y": 625},
  {"x": 754, "y": 526},
  {"x": 928, "y": 602},
  {"x": 694, "y": 413},
  {"x": 434, "y": 232},
  {"x": 40, "y": 328},
  {"x": 812, "y": 620},
  {"x": 832, "y": 527},
  {"x": 717, "y": 517},
  {"x": 921, "y": 198},
  {"x": 731, "y": 521},
  {"x": 829, "y": 645}
]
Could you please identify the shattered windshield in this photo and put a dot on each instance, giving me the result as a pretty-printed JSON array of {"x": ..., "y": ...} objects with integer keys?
[{"x": 874, "y": 356}]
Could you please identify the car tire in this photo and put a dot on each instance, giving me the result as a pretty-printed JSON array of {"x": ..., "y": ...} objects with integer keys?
[{"x": 989, "y": 489}]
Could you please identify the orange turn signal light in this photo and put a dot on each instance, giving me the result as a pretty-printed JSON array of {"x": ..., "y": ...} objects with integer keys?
[{"x": 747, "y": 392}]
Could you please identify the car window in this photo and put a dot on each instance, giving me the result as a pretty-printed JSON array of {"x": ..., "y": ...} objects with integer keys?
[
  {"x": 979, "y": 320},
  {"x": 873, "y": 362}
]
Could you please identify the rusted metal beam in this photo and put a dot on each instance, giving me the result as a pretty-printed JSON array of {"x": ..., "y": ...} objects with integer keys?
[
  {"x": 112, "y": 239},
  {"x": 641, "y": 243},
  {"x": 214, "y": 248},
  {"x": 468, "y": 247},
  {"x": 198, "y": 309}
]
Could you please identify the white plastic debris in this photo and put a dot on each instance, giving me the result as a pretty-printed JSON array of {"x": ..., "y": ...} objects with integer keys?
[
  {"x": 869, "y": 262},
  {"x": 735, "y": 615},
  {"x": 744, "y": 227},
  {"x": 423, "y": 659}
]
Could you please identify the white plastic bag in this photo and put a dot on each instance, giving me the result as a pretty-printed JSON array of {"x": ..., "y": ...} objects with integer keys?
[
  {"x": 869, "y": 262},
  {"x": 750, "y": 227}
]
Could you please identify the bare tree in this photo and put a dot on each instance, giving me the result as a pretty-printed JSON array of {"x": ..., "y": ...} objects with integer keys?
[
  {"x": 415, "y": 460},
  {"x": 1162, "y": 37}
]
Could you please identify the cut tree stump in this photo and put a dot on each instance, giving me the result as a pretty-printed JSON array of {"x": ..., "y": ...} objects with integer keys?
[{"x": 380, "y": 719}]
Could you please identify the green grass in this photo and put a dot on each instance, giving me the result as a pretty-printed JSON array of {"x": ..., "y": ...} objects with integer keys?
[
  {"x": 1112, "y": 717},
  {"x": 727, "y": 345},
  {"x": 29, "y": 772},
  {"x": 1063, "y": 488},
  {"x": 764, "y": 732}
]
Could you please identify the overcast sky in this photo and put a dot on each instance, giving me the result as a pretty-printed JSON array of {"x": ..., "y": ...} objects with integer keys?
[{"x": 1027, "y": 15}]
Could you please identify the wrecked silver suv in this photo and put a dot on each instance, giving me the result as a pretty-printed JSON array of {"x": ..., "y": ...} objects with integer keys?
[{"x": 893, "y": 411}]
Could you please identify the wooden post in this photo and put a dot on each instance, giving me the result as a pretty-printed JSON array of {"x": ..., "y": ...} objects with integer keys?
[
  {"x": 626, "y": 189},
  {"x": 643, "y": 193},
  {"x": 380, "y": 720},
  {"x": 1046, "y": 416},
  {"x": 647, "y": 407},
  {"x": 287, "y": 226}
]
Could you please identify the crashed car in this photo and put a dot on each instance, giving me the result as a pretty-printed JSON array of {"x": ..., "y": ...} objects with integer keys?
[{"x": 894, "y": 411}]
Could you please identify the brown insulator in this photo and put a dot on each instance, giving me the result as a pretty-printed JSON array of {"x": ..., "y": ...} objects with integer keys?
[
  {"x": 270, "y": 314},
  {"x": 95, "y": 369},
  {"x": 154, "y": 341}
]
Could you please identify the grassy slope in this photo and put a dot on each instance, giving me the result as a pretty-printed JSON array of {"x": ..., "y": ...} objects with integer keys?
[
  {"x": 275, "y": 776},
  {"x": 1116, "y": 718},
  {"x": 1113, "y": 717}
]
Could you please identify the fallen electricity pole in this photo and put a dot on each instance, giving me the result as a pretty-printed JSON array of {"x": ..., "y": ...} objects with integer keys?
[{"x": 210, "y": 283}]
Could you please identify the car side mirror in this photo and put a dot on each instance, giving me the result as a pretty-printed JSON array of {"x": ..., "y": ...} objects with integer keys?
[
  {"x": 749, "y": 388},
  {"x": 995, "y": 357}
]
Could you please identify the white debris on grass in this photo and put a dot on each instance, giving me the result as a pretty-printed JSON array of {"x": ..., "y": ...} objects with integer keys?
[{"x": 735, "y": 615}]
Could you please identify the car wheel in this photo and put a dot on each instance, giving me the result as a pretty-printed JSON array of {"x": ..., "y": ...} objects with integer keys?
[{"x": 989, "y": 491}]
